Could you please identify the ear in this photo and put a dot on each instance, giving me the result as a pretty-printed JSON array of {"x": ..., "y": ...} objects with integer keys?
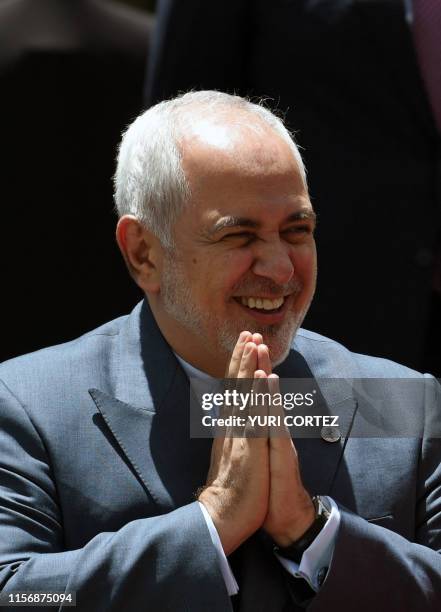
[{"x": 141, "y": 251}]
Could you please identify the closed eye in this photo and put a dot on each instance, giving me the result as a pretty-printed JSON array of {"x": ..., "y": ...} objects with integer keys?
[
  {"x": 291, "y": 231},
  {"x": 296, "y": 229},
  {"x": 246, "y": 235}
]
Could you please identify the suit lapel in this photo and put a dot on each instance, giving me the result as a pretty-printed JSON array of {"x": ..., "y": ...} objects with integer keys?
[
  {"x": 320, "y": 460},
  {"x": 148, "y": 414}
]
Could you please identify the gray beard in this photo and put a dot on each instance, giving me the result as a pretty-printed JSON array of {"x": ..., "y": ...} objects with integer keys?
[{"x": 179, "y": 304}]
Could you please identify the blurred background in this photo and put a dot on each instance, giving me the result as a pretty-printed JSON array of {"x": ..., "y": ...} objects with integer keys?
[
  {"x": 147, "y": 5},
  {"x": 72, "y": 77},
  {"x": 358, "y": 81}
]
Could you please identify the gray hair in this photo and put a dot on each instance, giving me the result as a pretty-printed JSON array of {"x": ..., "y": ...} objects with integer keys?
[{"x": 149, "y": 181}]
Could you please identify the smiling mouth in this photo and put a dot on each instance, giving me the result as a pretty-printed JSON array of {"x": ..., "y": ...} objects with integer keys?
[{"x": 261, "y": 304}]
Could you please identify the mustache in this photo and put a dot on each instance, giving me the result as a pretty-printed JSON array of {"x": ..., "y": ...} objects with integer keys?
[{"x": 266, "y": 286}]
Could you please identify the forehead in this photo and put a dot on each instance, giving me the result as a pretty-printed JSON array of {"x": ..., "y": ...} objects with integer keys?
[
  {"x": 232, "y": 141},
  {"x": 239, "y": 167}
]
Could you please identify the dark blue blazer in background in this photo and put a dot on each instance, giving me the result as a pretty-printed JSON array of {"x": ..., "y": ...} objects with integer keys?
[
  {"x": 346, "y": 74},
  {"x": 98, "y": 475}
]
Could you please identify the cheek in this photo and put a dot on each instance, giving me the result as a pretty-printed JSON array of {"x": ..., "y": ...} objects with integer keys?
[
  {"x": 235, "y": 266},
  {"x": 305, "y": 262},
  {"x": 213, "y": 278}
]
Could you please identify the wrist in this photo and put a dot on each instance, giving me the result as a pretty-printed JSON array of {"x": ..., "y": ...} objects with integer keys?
[
  {"x": 229, "y": 538},
  {"x": 297, "y": 527},
  {"x": 296, "y": 548}
]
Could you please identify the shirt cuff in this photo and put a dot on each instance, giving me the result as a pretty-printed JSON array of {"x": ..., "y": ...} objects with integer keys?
[
  {"x": 227, "y": 574},
  {"x": 317, "y": 558}
]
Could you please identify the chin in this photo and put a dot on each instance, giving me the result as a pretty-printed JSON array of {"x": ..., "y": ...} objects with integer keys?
[
  {"x": 280, "y": 344},
  {"x": 280, "y": 358},
  {"x": 279, "y": 354},
  {"x": 278, "y": 338}
]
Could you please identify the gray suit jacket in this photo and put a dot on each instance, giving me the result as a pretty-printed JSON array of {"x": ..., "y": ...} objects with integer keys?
[{"x": 98, "y": 475}]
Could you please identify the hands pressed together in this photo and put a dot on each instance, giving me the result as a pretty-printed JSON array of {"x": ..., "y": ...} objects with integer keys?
[{"x": 255, "y": 482}]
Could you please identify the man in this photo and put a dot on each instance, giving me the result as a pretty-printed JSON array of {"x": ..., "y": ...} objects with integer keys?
[
  {"x": 358, "y": 81},
  {"x": 98, "y": 472}
]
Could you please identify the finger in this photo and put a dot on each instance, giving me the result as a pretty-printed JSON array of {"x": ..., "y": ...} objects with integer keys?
[
  {"x": 280, "y": 432},
  {"x": 248, "y": 366},
  {"x": 248, "y": 363},
  {"x": 230, "y": 384},
  {"x": 273, "y": 383},
  {"x": 257, "y": 338},
  {"x": 257, "y": 413},
  {"x": 234, "y": 363},
  {"x": 255, "y": 386},
  {"x": 263, "y": 359}
]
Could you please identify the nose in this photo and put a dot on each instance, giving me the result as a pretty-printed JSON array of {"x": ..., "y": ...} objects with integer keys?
[{"x": 273, "y": 261}]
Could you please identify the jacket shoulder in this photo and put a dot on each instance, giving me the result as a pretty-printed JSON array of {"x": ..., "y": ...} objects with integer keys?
[
  {"x": 57, "y": 368},
  {"x": 329, "y": 358}
]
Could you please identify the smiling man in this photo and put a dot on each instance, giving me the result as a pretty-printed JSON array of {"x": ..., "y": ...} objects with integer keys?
[
  {"x": 243, "y": 253},
  {"x": 105, "y": 496}
]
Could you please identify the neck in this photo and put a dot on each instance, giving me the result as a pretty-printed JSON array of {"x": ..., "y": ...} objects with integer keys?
[{"x": 188, "y": 346}]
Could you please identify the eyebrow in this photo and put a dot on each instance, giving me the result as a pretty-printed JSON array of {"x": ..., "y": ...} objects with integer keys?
[{"x": 231, "y": 221}]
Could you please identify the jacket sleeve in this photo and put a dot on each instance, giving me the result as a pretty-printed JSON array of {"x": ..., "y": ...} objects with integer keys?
[
  {"x": 162, "y": 563},
  {"x": 196, "y": 44},
  {"x": 376, "y": 568}
]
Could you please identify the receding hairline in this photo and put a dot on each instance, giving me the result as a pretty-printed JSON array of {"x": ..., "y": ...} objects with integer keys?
[
  {"x": 223, "y": 126},
  {"x": 229, "y": 119},
  {"x": 149, "y": 181}
]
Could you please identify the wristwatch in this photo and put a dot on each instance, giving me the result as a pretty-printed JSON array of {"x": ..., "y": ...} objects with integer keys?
[{"x": 295, "y": 550}]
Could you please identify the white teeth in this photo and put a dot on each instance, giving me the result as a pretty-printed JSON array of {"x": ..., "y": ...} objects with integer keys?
[{"x": 262, "y": 303}]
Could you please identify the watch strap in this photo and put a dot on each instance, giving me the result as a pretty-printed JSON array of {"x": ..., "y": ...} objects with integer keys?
[{"x": 295, "y": 550}]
